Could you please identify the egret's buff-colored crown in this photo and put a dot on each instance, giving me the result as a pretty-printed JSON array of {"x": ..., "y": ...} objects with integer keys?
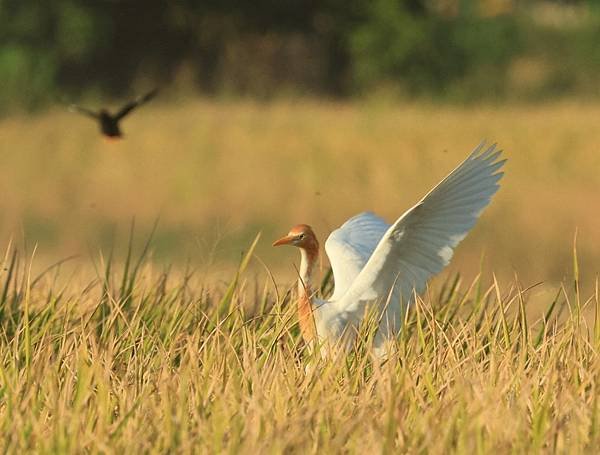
[{"x": 301, "y": 229}]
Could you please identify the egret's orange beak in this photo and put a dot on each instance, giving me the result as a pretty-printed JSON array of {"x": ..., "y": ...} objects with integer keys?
[{"x": 284, "y": 240}]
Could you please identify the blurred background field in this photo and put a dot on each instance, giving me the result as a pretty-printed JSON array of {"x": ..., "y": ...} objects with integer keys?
[
  {"x": 216, "y": 173},
  {"x": 274, "y": 113}
]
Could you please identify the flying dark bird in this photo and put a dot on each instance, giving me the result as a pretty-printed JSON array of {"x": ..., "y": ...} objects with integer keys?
[{"x": 109, "y": 123}]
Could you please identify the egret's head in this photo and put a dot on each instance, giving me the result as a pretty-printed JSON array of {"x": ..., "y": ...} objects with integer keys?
[{"x": 301, "y": 236}]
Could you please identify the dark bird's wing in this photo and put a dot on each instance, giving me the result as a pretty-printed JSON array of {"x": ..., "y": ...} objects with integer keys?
[
  {"x": 135, "y": 103},
  {"x": 84, "y": 111}
]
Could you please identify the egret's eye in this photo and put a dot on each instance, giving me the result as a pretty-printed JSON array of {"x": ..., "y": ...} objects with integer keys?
[{"x": 301, "y": 236}]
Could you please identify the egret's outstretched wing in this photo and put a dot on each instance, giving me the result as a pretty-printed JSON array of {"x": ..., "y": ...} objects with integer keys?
[
  {"x": 135, "y": 103},
  {"x": 84, "y": 111},
  {"x": 350, "y": 246},
  {"x": 421, "y": 242}
]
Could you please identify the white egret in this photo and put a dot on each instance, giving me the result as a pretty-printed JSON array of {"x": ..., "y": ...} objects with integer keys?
[{"x": 381, "y": 266}]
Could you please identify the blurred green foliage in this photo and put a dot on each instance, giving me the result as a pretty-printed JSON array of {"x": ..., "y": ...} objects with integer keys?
[
  {"x": 432, "y": 54},
  {"x": 459, "y": 50}
]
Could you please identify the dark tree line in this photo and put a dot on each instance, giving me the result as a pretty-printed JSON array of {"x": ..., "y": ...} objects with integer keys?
[{"x": 334, "y": 47}]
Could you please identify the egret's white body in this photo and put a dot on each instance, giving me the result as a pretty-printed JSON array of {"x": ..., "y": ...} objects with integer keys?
[{"x": 381, "y": 266}]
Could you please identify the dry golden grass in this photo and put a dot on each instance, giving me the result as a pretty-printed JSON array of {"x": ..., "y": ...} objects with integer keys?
[{"x": 145, "y": 360}]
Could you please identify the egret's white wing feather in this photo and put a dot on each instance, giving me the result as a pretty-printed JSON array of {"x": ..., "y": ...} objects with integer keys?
[
  {"x": 421, "y": 242},
  {"x": 350, "y": 246}
]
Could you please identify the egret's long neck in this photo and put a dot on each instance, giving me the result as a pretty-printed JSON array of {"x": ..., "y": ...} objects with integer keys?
[{"x": 308, "y": 262}]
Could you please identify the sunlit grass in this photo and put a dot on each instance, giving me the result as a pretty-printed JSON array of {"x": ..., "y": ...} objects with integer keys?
[{"x": 146, "y": 358}]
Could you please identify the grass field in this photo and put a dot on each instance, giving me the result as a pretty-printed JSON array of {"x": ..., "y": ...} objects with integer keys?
[
  {"x": 145, "y": 360},
  {"x": 173, "y": 353}
]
